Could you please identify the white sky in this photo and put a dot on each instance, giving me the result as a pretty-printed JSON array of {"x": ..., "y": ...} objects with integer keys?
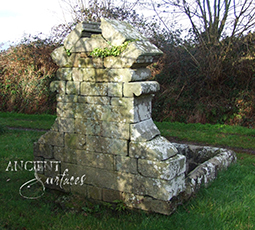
[{"x": 19, "y": 17}]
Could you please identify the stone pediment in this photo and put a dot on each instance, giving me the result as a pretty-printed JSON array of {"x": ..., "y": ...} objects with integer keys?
[{"x": 87, "y": 37}]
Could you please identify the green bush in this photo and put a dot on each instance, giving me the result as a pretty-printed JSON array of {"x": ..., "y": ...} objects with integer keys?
[
  {"x": 26, "y": 71},
  {"x": 213, "y": 84}
]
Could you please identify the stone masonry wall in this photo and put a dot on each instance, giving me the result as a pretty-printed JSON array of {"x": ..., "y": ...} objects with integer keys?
[{"x": 104, "y": 139}]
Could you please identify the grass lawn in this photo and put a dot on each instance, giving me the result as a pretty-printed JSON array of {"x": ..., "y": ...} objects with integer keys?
[{"x": 228, "y": 203}]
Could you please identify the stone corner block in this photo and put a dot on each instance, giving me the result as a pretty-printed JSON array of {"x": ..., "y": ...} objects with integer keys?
[
  {"x": 118, "y": 32},
  {"x": 143, "y": 131},
  {"x": 139, "y": 88},
  {"x": 158, "y": 148}
]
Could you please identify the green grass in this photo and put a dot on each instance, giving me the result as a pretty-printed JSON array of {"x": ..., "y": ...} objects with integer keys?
[
  {"x": 228, "y": 203},
  {"x": 220, "y": 135},
  {"x": 18, "y": 120}
]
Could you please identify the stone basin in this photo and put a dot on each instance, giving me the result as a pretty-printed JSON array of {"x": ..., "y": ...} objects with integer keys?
[{"x": 203, "y": 164}]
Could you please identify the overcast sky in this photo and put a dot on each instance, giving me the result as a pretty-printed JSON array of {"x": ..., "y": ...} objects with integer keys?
[{"x": 19, "y": 17}]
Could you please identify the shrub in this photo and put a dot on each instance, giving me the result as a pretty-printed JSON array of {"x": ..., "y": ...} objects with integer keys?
[{"x": 26, "y": 70}]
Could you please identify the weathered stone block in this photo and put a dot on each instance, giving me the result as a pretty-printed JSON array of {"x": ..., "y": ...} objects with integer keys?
[
  {"x": 75, "y": 141},
  {"x": 65, "y": 109},
  {"x": 126, "y": 164},
  {"x": 58, "y": 153},
  {"x": 94, "y": 89},
  {"x": 67, "y": 98},
  {"x": 115, "y": 89},
  {"x": 94, "y": 193},
  {"x": 80, "y": 125},
  {"x": 106, "y": 145},
  {"x": 66, "y": 124},
  {"x": 117, "y": 32},
  {"x": 81, "y": 30},
  {"x": 100, "y": 100},
  {"x": 88, "y": 62},
  {"x": 52, "y": 138},
  {"x": 116, "y": 62},
  {"x": 108, "y": 129},
  {"x": 139, "y": 88},
  {"x": 165, "y": 170},
  {"x": 73, "y": 37},
  {"x": 51, "y": 167},
  {"x": 126, "y": 102},
  {"x": 44, "y": 150},
  {"x": 73, "y": 87},
  {"x": 141, "y": 52},
  {"x": 143, "y": 131},
  {"x": 64, "y": 74},
  {"x": 62, "y": 59},
  {"x": 101, "y": 178},
  {"x": 158, "y": 188},
  {"x": 127, "y": 75},
  {"x": 96, "y": 160},
  {"x": 158, "y": 148},
  {"x": 58, "y": 86},
  {"x": 110, "y": 195},
  {"x": 90, "y": 75},
  {"x": 87, "y": 45},
  {"x": 142, "y": 107},
  {"x": 70, "y": 155}
]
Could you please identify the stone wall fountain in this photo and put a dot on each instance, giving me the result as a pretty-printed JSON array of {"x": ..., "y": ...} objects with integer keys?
[{"x": 104, "y": 138}]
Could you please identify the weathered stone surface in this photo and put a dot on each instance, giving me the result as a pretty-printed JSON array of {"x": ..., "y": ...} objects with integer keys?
[
  {"x": 126, "y": 164},
  {"x": 110, "y": 195},
  {"x": 100, "y": 100},
  {"x": 96, "y": 160},
  {"x": 65, "y": 109},
  {"x": 87, "y": 62},
  {"x": 117, "y": 32},
  {"x": 67, "y": 98},
  {"x": 70, "y": 155},
  {"x": 62, "y": 59},
  {"x": 58, "y": 86},
  {"x": 94, "y": 193},
  {"x": 106, "y": 113},
  {"x": 90, "y": 75},
  {"x": 138, "y": 49},
  {"x": 143, "y": 131},
  {"x": 142, "y": 108},
  {"x": 137, "y": 54},
  {"x": 127, "y": 75},
  {"x": 126, "y": 102},
  {"x": 43, "y": 150},
  {"x": 108, "y": 129},
  {"x": 58, "y": 153},
  {"x": 80, "y": 125},
  {"x": 66, "y": 125},
  {"x": 87, "y": 45},
  {"x": 165, "y": 170},
  {"x": 157, "y": 188},
  {"x": 73, "y": 37},
  {"x": 82, "y": 29},
  {"x": 158, "y": 148},
  {"x": 64, "y": 74},
  {"x": 73, "y": 87},
  {"x": 94, "y": 89},
  {"x": 139, "y": 88},
  {"x": 106, "y": 145},
  {"x": 75, "y": 141},
  {"x": 52, "y": 138},
  {"x": 115, "y": 89}
]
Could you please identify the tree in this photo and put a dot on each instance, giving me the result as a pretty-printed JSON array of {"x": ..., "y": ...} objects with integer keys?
[
  {"x": 212, "y": 20},
  {"x": 92, "y": 10}
]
